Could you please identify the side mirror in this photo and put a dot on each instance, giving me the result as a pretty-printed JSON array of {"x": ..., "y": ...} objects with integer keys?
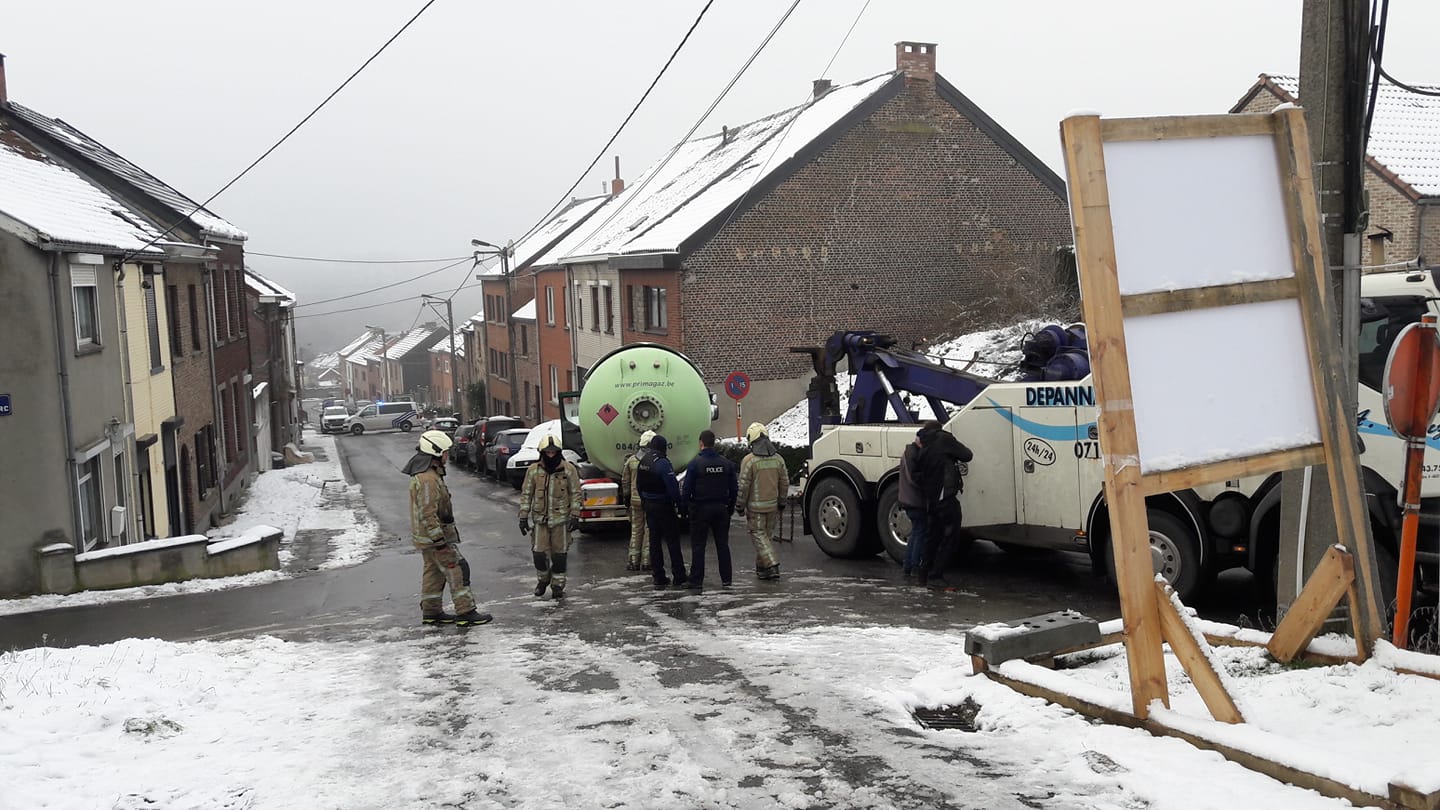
[{"x": 714, "y": 408}]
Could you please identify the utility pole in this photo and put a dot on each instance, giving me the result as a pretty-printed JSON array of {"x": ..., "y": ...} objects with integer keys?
[
  {"x": 384, "y": 360},
  {"x": 1334, "y": 71},
  {"x": 454, "y": 369}
]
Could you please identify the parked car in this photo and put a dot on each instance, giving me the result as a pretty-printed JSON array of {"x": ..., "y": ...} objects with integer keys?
[
  {"x": 487, "y": 426},
  {"x": 448, "y": 424},
  {"x": 529, "y": 452},
  {"x": 502, "y": 446},
  {"x": 463, "y": 454},
  {"x": 399, "y": 415},
  {"x": 333, "y": 419}
]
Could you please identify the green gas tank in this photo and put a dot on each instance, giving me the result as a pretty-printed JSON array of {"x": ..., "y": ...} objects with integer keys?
[{"x": 640, "y": 387}]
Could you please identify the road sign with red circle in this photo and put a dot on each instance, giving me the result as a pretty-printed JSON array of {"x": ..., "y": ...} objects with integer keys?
[
  {"x": 737, "y": 385},
  {"x": 1412, "y": 381}
]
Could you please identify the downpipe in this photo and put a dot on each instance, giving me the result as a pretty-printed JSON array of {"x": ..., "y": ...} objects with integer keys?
[{"x": 67, "y": 421}]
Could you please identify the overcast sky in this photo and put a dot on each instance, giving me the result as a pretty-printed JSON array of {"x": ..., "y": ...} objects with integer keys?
[{"x": 476, "y": 120}]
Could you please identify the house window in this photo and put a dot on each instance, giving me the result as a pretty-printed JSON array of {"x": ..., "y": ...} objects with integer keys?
[
  {"x": 579, "y": 309},
  {"x": 204, "y": 459},
  {"x": 655, "y": 314},
  {"x": 570, "y": 380},
  {"x": 630, "y": 304},
  {"x": 172, "y": 304},
  {"x": 152, "y": 324},
  {"x": 549, "y": 305},
  {"x": 609, "y": 310},
  {"x": 91, "y": 502},
  {"x": 87, "y": 309},
  {"x": 554, "y": 384},
  {"x": 527, "y": 394},
  {"x": 194, "y": 318},
  {"x": 595, "y": 308},
  {"x": 524, "y": 341}
]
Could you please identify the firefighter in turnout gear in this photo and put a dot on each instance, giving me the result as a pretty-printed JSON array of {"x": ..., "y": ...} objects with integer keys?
[
  {"x": 432, "y": 530},
  {"x": 550, "y": 511},
  {"x": 639, "y": 559},
  {"x": 764, "y": 485}
]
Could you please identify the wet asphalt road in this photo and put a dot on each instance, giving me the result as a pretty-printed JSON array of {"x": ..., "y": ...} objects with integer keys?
[{"x": 382, "y": 592}]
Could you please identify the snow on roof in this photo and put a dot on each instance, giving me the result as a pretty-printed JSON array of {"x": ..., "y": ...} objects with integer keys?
[
  {"x": 407, "y": 343},
  {"x": 702, "y": 177},
  {"x": 54, "y": 204},
  {"x": 525, "y": 313},
  {"x": 328, "y": 360},
  {"x": 1404, "y": 135},
  {"x": 366, "y": 337},
  {"x": 366, "y": 353},
  {"x": 443, "y": 347},
  {"x": 97, "y": 153},
  {"x": 539, "y": 246},
  {"x": 265, "y": 288}
]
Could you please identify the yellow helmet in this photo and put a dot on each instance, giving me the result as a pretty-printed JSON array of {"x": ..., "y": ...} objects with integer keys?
[
  {"x": 434, "y": 443},
  {"x": 550, "y": 442},
  {"x": 645, "y": 438},
  {"x": 754, "y": 432}
]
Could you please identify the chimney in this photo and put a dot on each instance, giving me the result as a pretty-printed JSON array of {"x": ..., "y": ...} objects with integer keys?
[
  {"x": 4, "y": 99},
  {"x": 617, "y": 185},
  {"x": 820, "y": 87},
  {"x": 916, "y": 60}
]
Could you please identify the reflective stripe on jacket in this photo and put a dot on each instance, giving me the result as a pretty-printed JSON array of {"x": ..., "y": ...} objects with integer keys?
[{"x": 550, "y": 499}]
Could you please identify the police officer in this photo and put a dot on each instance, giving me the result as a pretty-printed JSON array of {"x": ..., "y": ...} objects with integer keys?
[
  {"x": 432, "y": 530},
  {"x": 660, "y": 497},
  {"x": 550, "y": 500},
  {"x": 639, "y": 558},
  {"x": 764, "y": 485},
  {"x": 709, "y": 495}
]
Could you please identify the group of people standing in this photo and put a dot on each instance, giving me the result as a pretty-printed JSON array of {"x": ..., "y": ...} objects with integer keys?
[
  {"x": 550, "y": 503},
  {"x": 713, "y": 489},
  {"x": 930, "y": 485}
]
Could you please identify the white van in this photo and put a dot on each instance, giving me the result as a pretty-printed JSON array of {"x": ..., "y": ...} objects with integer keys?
[{"x": 383, "y": 416}]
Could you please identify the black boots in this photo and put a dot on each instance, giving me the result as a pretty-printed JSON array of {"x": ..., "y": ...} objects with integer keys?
[
  {"x": 542, "y": 573},
  {"x": 438, "y": 618},
  {"x": 474, "y": 617}
]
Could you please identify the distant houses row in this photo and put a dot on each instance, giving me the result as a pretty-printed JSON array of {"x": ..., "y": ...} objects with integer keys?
[{"x": 146, "y": 373}]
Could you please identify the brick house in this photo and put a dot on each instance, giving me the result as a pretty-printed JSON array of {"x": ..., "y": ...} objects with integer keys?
[
  {"x": 275, "y": 393},
  {"x": 203, "y": 452},
  {"x": 1403, "y": 177},
  {"x": 443, "y": 370},
  {"x": 525, "y": 386},
  {"x": 874, "y": 205}
]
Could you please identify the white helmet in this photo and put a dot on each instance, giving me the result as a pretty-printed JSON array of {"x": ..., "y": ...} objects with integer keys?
[
  {"x": 435, "y": 443},
  {"x": 645, "y": 438}
]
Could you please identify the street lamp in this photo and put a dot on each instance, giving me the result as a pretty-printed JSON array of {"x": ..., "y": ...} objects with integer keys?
[
  {"x": 384, "y": 361},
  {"x": 504, "y": 254}
]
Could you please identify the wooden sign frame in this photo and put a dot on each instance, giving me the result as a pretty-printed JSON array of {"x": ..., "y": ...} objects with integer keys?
[{"x": 1105, "y": 310}]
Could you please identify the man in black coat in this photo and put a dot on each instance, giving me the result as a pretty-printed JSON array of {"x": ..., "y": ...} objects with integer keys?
[{"x": 940, "y": 484}]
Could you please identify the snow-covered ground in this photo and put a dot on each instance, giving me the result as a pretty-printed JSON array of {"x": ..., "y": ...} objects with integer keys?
[
  {"x": 300, "y": 498},
  {"x": 993, "y": 353},
  {"x": 715, "y": 709}
]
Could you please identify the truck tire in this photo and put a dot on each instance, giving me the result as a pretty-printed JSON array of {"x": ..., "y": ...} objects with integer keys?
[
  {"x": 356, "y": 430},
  {"x": 837, "y": 518},
  {"x": 1174, "y": 551},
  {"x": 892, "y": 524}
]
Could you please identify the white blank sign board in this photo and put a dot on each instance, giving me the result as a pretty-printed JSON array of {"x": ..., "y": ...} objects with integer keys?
[
  {"x": 1216, "y": 384},
  {"x": 1197, "y": 212}
]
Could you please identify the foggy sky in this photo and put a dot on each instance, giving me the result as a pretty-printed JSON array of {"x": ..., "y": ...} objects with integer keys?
[{"x": 476, "y": 120}]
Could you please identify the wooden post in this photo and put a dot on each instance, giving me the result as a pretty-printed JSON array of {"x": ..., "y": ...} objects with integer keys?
[
  {"x": 1124, "y": 495},
  {"x": 1342, "y": 462},
  {"x": 1332, "y": 580},
  {"x": 1190, "y": 649}
]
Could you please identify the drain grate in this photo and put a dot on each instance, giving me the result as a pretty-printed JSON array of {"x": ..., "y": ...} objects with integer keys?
[{"x": 960, "y": 716}]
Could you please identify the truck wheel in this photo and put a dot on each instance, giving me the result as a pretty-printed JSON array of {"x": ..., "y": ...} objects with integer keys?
[
  {"x": 356, "y": 430},
  {"x": 893, "y": 524},
  {"x": 836, "y": 518},
  {"x": 1174, "y": 553},
  {"x": 405, "y": 426}
]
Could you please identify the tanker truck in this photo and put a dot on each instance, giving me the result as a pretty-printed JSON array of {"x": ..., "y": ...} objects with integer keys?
[{"x": 635, "y": 388}]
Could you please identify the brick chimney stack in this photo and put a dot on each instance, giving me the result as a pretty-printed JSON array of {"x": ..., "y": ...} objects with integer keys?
[
  {"x": 617, "y": 185},
  {"x": 821, "y": 87},
  {"x": 916, "y": 60},
  {"x": 4, "y": 98}
]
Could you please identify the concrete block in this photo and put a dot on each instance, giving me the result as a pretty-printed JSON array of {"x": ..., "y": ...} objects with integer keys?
[
  {"x": 57, "y": 568},
  {"x": 172, "y": 559},
  {"x": 256, "y": 550},
  {"x": 1036, "y": 637}
]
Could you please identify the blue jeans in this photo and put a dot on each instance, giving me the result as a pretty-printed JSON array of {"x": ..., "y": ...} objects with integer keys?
[{"x": 915, "y": 550}]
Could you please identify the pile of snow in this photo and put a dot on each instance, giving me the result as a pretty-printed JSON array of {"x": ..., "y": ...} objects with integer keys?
[{"x": 993, "y": 353}]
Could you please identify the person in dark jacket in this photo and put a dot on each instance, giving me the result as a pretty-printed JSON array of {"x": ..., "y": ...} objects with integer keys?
[
  {"x": 940, "y": 484},
  {"x": 660, "y": 496},
  {"x": 912, "y": 500},
  {"x": 709, "y": 496}
]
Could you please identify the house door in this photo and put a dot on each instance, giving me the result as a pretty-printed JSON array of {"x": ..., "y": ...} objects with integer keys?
[
  {"x": 186, "y": 492},
  {"x": 172, "y": 481}
]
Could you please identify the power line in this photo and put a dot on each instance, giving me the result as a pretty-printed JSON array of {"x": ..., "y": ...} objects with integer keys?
[
  {"x": 352, "y": 261},
  {"x": 716, "y": 103},
  {"x": 466, "y": 286},
  {"x": 618, "y": 130},
  {"x": 386, "y": 286},
  {"x": 286, "y": 136}
]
